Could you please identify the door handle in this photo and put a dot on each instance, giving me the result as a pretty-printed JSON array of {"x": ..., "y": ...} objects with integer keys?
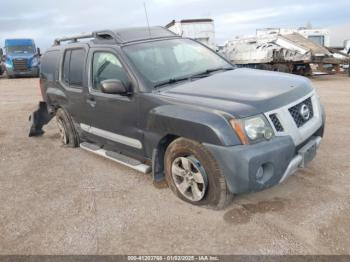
[{"x": 91, "y": 101}]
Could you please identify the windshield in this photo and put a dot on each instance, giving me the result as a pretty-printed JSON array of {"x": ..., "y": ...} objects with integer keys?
[
  {"x": 20, "y": 49},
  {"x": 173, "y": 59}
]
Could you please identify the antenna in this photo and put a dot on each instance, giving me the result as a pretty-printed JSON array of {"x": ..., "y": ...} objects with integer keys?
[{"x": 149, "y": 29}]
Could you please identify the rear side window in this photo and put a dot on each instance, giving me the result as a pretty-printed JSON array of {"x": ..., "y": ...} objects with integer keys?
[
  {"x": 73, "y": 67},
  {"x": 49, "y": 63}
]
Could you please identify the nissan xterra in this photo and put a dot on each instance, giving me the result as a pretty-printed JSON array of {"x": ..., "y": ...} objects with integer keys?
[{"x": 160, "y": 103}]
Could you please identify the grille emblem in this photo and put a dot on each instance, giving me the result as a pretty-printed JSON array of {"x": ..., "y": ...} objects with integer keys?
[{"x": 304, "y": 112}]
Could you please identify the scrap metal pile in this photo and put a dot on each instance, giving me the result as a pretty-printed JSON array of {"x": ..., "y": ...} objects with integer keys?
[{"x": 290, "y": 53}]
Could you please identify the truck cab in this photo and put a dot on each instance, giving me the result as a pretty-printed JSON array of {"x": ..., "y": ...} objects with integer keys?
[{"x": 20, "y": 57}]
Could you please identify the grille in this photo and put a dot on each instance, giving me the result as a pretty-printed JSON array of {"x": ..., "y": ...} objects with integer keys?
[
  {"x": 296, "y": 114},
  {"x": 20, "y": 64},
  {"x": 276, "y": 123}
]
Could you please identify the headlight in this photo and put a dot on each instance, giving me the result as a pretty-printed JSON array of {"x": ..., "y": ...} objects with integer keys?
[
  {"x": 35, "y": 61},
  {"x": 252, "y": 129},
  {"x": 8, "y": 63}
]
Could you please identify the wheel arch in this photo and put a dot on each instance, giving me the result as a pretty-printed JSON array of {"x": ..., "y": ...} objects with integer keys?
[
  {"x": 167, "y": 123},
  {"x": 158, "y": 154}
]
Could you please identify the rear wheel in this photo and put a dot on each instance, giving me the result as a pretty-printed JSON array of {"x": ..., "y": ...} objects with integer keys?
[
  {"x": 194, "y": 175},
  {"x": 68, "y": 134}
]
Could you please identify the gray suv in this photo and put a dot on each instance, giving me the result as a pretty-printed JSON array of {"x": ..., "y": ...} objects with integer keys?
[{"x": 160, "y": 103}]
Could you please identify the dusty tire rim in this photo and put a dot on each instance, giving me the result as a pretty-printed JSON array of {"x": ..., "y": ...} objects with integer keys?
[
  {"x": 62, "y": 131},
  {"x": 189, "y": 177}
]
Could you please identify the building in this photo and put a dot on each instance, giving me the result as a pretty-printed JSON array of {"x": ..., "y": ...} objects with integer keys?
[{"x": 202, "y": 30}]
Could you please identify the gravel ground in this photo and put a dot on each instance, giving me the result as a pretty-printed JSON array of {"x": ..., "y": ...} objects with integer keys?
[{"x": 55, "y": 200}]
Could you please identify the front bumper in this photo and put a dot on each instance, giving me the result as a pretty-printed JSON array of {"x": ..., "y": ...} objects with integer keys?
[
  {"x": 34, "y": 71},
  {"x": 279, "y": 158}
]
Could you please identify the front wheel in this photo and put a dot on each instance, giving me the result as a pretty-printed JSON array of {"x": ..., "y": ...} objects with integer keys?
[{"x": 194, "y": 175}]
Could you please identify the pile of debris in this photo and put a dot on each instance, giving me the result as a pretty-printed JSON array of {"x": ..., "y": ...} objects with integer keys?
[{"x": 291, "y": 53}]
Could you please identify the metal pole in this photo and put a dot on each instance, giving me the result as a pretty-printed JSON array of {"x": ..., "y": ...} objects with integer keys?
[{"x": 149, "y": 29}]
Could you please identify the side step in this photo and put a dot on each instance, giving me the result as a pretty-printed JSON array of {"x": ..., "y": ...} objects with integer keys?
[{"x": 119, "y": 158}]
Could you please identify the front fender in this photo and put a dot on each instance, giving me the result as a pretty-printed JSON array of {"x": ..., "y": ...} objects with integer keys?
[{"x": 199, "y": 124}]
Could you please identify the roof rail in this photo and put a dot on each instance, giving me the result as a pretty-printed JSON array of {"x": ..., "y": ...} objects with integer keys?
[
  {"x": 102, "y": 35},
  {"x": 119, "y": 36},
  {"x": 74, "y": 38}
]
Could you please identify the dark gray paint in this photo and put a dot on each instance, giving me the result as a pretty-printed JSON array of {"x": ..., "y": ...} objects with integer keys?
[
  {"x": 199, "y": 110},
  {"x": 240, "y": 163},
  {"x": 242, "y": 92}
]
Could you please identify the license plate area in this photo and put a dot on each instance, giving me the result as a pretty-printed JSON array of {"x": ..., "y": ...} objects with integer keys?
[{"x": 308, "y": 152}]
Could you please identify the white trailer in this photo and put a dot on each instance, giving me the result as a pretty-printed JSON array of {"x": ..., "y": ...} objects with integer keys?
[
  {"x": 319, "y": 36},
  {"x": 347, "y": 46},
  {"x": 202, "y": 30},
  {"x": 291, "y": 53}
]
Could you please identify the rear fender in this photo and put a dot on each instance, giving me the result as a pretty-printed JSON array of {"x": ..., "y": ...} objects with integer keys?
[{"x": 56, "y": 97}]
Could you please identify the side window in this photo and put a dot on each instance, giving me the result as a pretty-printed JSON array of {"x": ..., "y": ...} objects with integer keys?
[
  {"x": 73, "y": 67},
  {"x": 49, "y": 64},
  {"x": 77, "y": 64},
  {"x": 107, "y": 66}
]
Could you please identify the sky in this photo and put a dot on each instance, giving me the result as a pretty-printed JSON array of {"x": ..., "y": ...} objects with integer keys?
[{"x": 45, "y": 20}]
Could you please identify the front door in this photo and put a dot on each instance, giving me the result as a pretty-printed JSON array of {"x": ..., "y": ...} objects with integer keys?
[{"x": 113, "y": 119}]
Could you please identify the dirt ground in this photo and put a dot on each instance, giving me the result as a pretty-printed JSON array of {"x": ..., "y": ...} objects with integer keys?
[{"x": 55, "y": 200}]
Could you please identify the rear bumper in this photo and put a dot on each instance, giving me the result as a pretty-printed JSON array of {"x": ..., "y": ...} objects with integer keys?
[
  {"x": 34, "y": 71},
  {"x": 279, "y": 158}
]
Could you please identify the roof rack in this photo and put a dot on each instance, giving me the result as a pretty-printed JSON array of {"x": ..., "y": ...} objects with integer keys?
[
  {"x": 103, "y": 35},
  {"x": 75, "y": 38},
  {"x": 120, "y": 36}
]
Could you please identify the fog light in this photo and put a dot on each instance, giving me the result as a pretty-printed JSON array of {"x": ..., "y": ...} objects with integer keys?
[
  {"x": 268, "y": 133},
  {"x": 259, "y": 173}
]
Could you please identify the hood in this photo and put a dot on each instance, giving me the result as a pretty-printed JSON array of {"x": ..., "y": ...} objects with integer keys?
[
  {"x": 21, "y": 55},
  {"x": 242, "y": 92}
]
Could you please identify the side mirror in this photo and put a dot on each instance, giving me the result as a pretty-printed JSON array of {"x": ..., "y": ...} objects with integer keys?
[
  {"x": 113, "y": 86},
  {"x": 38, "y": 51}
]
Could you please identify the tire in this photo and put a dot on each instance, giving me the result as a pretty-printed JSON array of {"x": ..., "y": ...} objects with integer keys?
[
  {"x": 216, "y": 194},
  {"x": 69, "y": 136}
]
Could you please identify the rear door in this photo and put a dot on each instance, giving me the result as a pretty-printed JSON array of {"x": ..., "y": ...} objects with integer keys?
[{"x": 73, "y": 81}]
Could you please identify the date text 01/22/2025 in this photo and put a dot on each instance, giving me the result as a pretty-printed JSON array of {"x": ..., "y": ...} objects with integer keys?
[{"x": 173, "y": 258}]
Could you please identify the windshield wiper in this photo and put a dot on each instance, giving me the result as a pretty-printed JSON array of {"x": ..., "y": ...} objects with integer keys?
[
  {"x": 208, "y": 71},
  {"x": 171, "y": 81},
  {"x": 199, "y": 75}
]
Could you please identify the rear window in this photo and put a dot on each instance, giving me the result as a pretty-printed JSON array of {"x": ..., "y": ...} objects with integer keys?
[
  {"x": 73, "y": 67},
  {"x": 49, "y": 63}
]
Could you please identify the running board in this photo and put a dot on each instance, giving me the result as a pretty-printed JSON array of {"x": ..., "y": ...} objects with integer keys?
[{"x": 119, "y": 158}]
